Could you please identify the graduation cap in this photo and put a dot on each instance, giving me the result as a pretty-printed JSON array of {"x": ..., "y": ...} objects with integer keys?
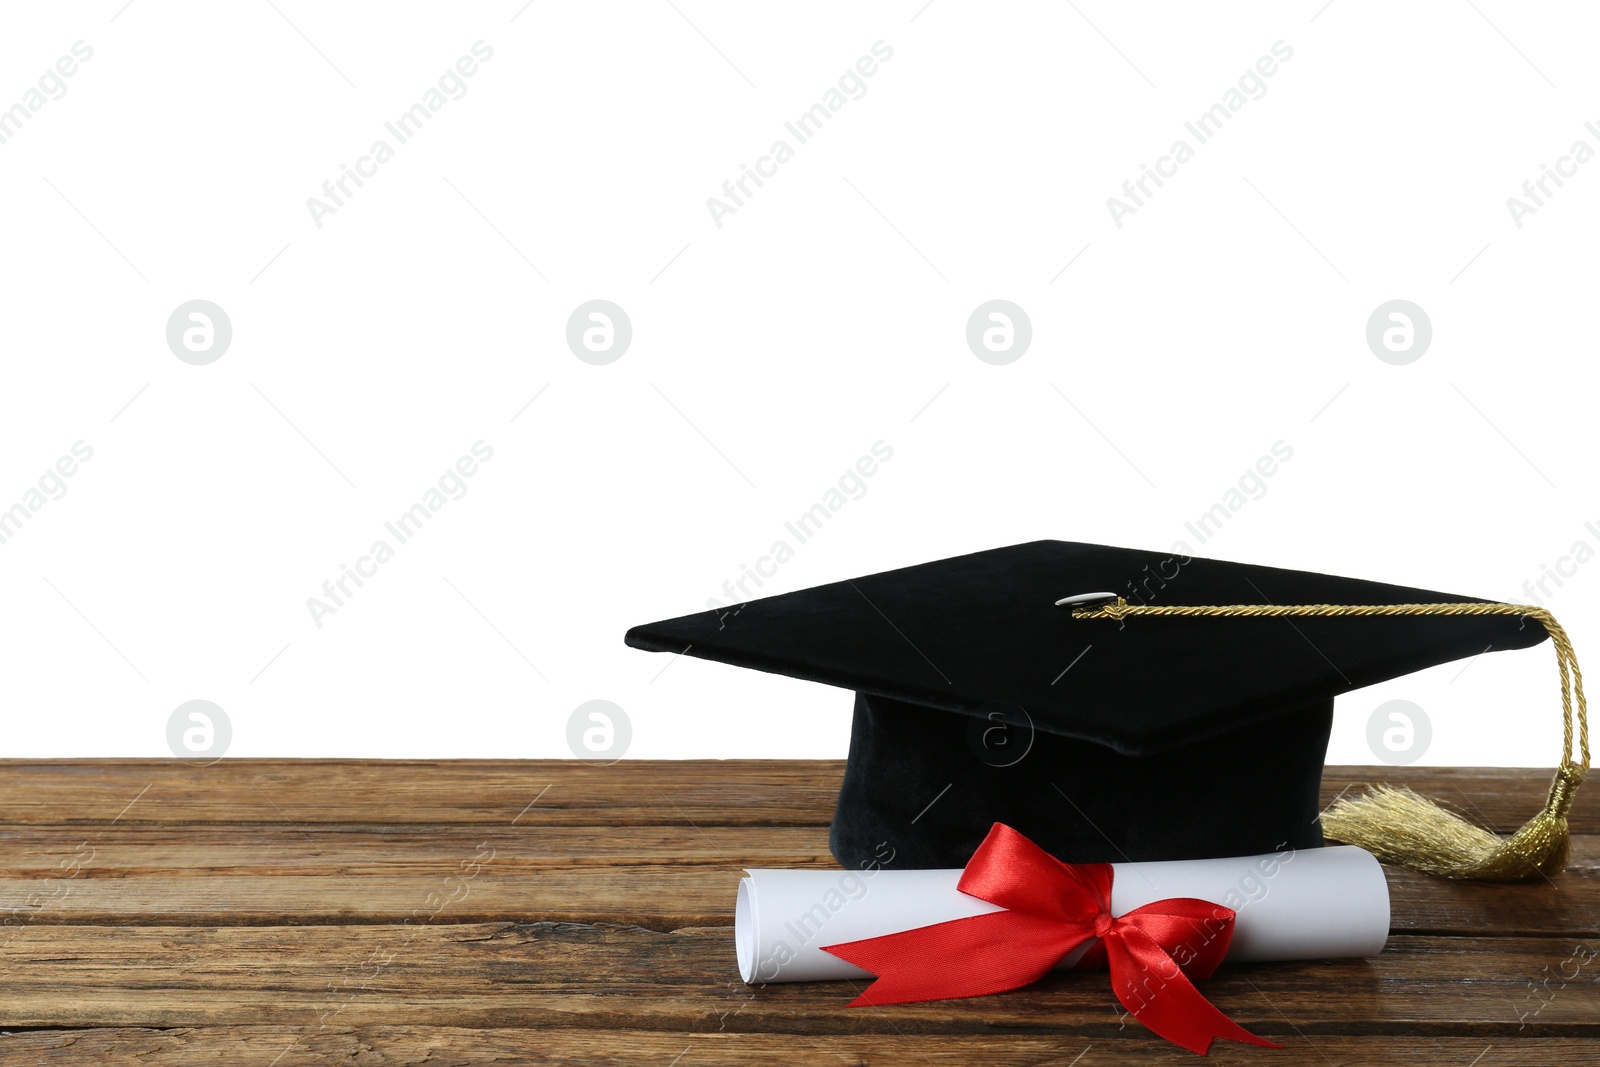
[{"x": 1123, "y": 705}]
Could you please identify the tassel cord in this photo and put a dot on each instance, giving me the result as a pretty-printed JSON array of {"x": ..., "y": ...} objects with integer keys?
[{"x": 1399, "y": 825}]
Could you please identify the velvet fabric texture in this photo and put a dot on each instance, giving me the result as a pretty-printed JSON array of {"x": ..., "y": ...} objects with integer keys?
[
  {"x": 1171, "y": 737},
  {"x": 921, "y": 789}
]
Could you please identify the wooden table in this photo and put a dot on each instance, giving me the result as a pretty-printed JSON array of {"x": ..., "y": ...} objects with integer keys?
[{"x": 282, "y": 912}]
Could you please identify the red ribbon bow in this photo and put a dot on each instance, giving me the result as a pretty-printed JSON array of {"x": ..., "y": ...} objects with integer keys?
[{"x": 1052, "y": 907}]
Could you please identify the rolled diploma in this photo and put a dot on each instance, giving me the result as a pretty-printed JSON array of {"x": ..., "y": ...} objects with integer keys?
[{"x": 1321, "y": 903}]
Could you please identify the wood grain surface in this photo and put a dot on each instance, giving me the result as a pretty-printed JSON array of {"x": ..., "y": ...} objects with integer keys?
[{"x": 301, "y": 912}]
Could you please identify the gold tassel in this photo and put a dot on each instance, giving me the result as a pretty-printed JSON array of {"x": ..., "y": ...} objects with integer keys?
[
  {"x": 1400, "y": 826},
  {"x": 1404, "y": 827}
]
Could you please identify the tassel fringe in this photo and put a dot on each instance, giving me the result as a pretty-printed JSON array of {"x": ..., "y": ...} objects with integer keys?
[{"x": 1404, "y": 827}]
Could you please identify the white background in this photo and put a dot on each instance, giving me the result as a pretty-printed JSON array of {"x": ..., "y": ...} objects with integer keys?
[{"x": 826, "y": 314}]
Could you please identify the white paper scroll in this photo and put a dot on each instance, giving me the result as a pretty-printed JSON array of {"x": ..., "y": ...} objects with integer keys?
[{"x": 1320, "y": 903}]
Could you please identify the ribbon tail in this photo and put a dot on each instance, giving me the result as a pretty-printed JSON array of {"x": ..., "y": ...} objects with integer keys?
[
  {"x": 969, "y": 957},
  {"x": 1155, "y": 991}
]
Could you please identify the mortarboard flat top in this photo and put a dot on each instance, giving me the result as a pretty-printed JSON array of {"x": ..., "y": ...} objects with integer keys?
[
  {"x": 982, "y": 631},
  {"x": 981, "y": 635}
]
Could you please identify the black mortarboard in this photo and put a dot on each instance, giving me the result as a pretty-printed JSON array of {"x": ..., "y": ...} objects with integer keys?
[{"x": 979, "y": 699}]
